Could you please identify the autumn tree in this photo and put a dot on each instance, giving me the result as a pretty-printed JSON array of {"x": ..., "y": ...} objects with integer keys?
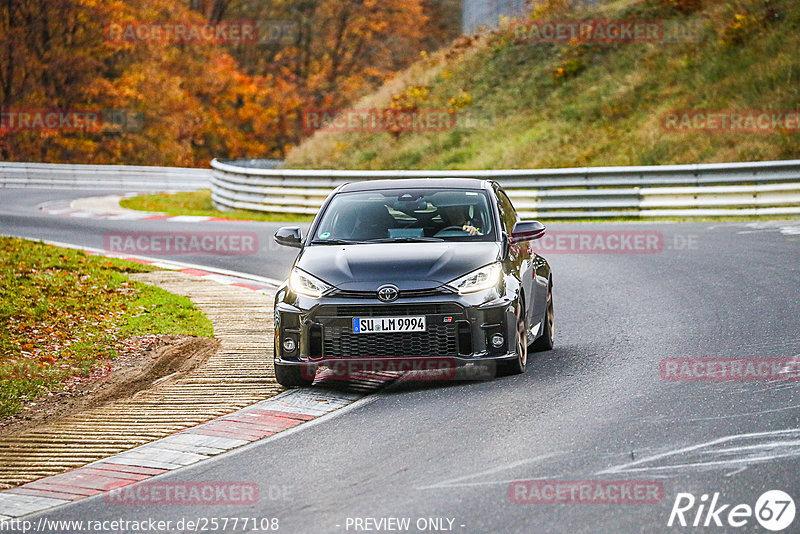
[
  {"x": 194, "y": 101},
  {"x": 339, "y": 49}
]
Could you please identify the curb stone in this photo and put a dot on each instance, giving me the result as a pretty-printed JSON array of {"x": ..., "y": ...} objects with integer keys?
[
  {"x": 191, "y": 446},
  {"x": 108, "y": 208}
]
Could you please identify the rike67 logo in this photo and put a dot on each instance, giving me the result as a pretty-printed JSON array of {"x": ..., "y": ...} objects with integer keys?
[{"x": 774, "y": 510}]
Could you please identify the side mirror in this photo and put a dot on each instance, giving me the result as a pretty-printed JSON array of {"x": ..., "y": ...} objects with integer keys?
[
  {"x": 526, "y": 231},
  {"x": 289, "y": 236}
]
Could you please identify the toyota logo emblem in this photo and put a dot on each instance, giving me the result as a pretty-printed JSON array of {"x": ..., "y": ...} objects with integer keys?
[{"x": 388, "y": 293}]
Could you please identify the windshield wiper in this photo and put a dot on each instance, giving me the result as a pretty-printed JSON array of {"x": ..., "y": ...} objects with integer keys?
[
  {"x": 404, "y": 240},
  {"x": 334, "y": 242}
]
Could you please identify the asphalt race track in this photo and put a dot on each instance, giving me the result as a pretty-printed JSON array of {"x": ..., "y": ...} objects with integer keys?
[
  {"x": 20, "y": 217},
  {"x": 594, "y": 408}
]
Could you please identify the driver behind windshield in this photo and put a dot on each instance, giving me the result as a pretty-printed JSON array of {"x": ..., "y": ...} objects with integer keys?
[
  {"x": 459, "y": 216},
  {"x": 405, "y": 215}
]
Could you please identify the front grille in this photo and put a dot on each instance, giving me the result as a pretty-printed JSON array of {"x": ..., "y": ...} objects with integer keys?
[
  {"x": 404, "y": 293},
  {"x": 387, "y": 310},
  {"x": 339, "y": 341},
  {"x": 439, "y": 340}
]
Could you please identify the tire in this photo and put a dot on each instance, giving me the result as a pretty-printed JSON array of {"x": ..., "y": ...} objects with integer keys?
[
  {"x": 545, "y": 341},
  {"x": 517, "y": 365},
  {"x": 292, "y": 376}
]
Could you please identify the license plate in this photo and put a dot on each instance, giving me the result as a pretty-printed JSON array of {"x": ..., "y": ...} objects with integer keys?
[{"x": 371, "y": 325}]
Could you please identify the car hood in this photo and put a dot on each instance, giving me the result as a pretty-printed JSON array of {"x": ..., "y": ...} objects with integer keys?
[{"x": 409, "y": 266}]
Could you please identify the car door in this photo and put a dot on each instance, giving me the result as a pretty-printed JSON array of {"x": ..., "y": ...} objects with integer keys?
[{"x": 519, "y": 253}]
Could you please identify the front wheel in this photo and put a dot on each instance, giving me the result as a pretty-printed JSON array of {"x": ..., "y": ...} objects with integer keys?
[
  {"x": 293, "y": 375},
  {"x": 517, "y": 365},
  {"x": 545, "y": 341}
]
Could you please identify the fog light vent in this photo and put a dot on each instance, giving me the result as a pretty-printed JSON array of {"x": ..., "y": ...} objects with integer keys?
[
  {"x": 289, "y": 344},
  {"x": 497, "y": 340}
]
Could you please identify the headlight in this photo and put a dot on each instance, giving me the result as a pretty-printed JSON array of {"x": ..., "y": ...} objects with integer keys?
[
  {"x": 478, "y": 280},
  {"x": 303, "y": 283}
]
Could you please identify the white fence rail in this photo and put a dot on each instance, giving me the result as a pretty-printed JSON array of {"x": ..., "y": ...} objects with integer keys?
[
  {"x": 761, "y": 188},
  {"x": 717, "y": 189},
  {"x": 124, "y": 177}
]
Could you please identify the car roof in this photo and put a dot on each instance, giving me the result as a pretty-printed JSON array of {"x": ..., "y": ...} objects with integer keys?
[{"x": 415, "y": 183}]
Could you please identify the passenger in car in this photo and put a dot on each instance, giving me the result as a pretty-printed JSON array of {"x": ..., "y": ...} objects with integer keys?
[{"x": 373, "y": 222}]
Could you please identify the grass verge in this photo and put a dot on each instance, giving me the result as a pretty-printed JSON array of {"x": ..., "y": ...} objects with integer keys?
[
  {"x": 519, "y": 104},
  {"x": 64, "y": 313},
  {"x": 199, "y": 203}
]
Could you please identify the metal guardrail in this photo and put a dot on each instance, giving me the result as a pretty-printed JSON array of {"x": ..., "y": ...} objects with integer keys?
[
  {"x": 760, "y": 188},
  {"x": 124, "y": 177},
  {"x": 715, "y": 189}
]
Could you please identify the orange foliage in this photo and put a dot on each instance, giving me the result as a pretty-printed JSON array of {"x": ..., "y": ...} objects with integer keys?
[{"x": 183, "y": 103}]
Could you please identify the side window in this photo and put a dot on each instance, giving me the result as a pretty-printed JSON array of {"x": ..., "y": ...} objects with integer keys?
[{"x": 508, "y": 215}]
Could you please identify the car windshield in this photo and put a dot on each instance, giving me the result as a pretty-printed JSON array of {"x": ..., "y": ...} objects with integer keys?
[{"x": 406, "y": 216}]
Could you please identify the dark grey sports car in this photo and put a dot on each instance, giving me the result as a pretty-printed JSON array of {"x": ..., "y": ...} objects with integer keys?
[{"x": 413, "y": 269}]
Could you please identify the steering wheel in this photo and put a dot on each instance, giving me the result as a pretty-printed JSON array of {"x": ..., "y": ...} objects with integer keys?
[
  {"x": 421, "y": 220},
  {"x": 425, "y": 217},
  {"x": 452, "y": 229}
]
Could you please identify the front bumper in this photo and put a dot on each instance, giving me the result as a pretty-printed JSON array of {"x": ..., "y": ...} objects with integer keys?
[{"x": 458, "y": 327}]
